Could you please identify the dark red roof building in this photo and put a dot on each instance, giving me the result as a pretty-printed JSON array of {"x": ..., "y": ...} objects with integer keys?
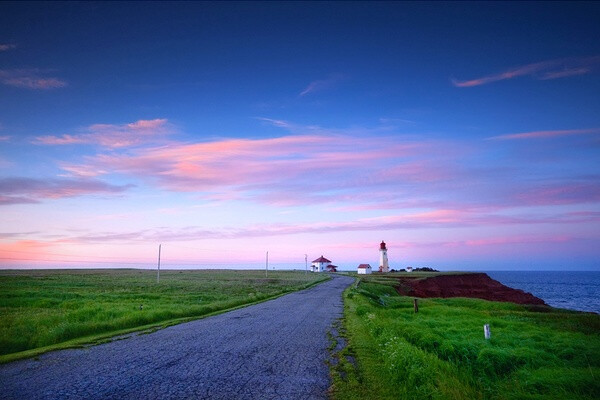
[
  {"x": 332, "y": 268},
  {"x": 322, "y": 260}
]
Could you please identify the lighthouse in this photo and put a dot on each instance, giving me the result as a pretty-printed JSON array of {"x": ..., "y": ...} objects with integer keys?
[{"x": 383, "y": 260}]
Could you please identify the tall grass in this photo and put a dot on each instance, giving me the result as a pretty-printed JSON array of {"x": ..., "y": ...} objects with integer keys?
[
  {"x": 45, "y": 307},
  {"x": 441, "y": 353}
]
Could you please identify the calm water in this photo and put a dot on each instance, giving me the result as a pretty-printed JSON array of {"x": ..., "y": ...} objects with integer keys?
[{"x": 578, "y": 290}]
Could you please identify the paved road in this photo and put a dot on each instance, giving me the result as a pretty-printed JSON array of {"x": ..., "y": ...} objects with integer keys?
[{"x": 272, "y": 350}]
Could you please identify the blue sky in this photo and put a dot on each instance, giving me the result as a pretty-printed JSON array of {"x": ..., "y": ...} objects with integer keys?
[{"x": 464, "y": 134}]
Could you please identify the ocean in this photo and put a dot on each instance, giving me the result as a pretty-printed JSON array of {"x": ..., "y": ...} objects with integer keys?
[{"x": 575, "y": 290}]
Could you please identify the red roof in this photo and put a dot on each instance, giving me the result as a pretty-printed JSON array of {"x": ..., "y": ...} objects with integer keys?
[
  {"x": 364, "y": 266},
  {"x": 322, "y": 259}
]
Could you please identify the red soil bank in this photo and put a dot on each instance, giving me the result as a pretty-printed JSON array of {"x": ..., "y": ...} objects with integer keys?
[{"x": 478, "y": 285}]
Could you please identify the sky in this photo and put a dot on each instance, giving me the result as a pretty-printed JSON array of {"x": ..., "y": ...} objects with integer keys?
[{"x": 465, "y": 135}]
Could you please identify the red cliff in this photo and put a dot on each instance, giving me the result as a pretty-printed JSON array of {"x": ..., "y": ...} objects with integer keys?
[{"x": 477, "y": 285}]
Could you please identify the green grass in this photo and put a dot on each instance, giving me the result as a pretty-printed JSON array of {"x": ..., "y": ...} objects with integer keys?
[
  {"x": 441, "y": 353},
  {"x": 48, "y": 309}
]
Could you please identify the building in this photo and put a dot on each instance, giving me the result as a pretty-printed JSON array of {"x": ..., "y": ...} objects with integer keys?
[
  {"x": 383, "y": 259},
  {"x": 364, "y": 269},
  {"x": 331, "y": 268},
  {"x": 408, "y": 269},
  {"x": 320, "y": 264}
]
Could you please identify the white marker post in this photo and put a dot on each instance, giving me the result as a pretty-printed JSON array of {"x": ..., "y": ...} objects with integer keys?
[
  {"x": 267, "y": 266},
  {"x": 486, "y": 331}
]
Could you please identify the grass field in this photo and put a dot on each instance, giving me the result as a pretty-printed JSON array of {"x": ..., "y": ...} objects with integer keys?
[
  {"x": 441, "y": 353},
  {"x": 60, "y": 308}
]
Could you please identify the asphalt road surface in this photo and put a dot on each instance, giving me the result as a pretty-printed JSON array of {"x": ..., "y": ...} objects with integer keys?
[{"x": 272, "y": 350}]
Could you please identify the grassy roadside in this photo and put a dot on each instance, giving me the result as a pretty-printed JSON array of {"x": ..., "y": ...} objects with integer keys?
[
  {"x": 440, "y": 353},
  {"x": 46, "y": 310}
]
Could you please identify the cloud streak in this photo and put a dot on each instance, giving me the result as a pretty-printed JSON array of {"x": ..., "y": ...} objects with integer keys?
[
  {"x": 30, "y": 79},
  {"x": 282, "y": 170},
  {"x": 544, "y": 134},
  {"x": 320, "y": 85},
  {"x": 438, "y": 219},
  {"x": 19, "y": 190},
  {"x": 7, "y": 46},
  {"x": 113, "y": 136},
  {"x": 545, "y": 70}
]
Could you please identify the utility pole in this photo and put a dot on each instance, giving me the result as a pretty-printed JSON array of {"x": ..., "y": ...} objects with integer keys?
[
  {"x": 267, "y": 265},
  {"x": 158, "y": 271},
  {"x": 306, "y": 264}
]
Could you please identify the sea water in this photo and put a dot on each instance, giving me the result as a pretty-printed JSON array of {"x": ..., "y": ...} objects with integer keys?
[{"x": 575, "y": 290}]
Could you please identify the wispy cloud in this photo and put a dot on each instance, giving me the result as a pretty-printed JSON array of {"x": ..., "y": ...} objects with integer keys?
[
  {"x": 565, "y": 193},
  {"x": 545, "y": 70},
  {"x": 30, "y": 79},
  {"x": 7, "y": 46},
  {"x": 389, "y": 173},
  {"x": 566, "y": 72},
  {"x": 321, "y": 84},
  {"x": 113, "y": 136},
  {"x": 438, "y": 219},
  {"x": 544, "y": 134},
  {"x": 5, "y": 138},
  {"x": 299, "y": 129},
  {"x": 269, "y": 170},
  {"x": 18, "y": 190}
]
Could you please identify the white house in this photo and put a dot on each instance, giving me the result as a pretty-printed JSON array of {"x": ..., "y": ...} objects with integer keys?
[
  {"x": 364, "y": 269},
  {"x": 320, "y": 264},
  {"x": 408, "y": 269}
]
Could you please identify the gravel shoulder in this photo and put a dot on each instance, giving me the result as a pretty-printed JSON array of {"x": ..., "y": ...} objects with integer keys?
[{"x": 272, "y": 350}]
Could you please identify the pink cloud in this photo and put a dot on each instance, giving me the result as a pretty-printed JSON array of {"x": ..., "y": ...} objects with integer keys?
[
  {"x": 551, "y": 69},
  {"x": 271, "y": 170},
  {"x": 349, "y": 173},
  {"x": 29, "y": 190},
  {"x": 113, "y": 136},
  {"x": 30, "y": 79},
  {"x": 346, "y": 172},
  {"x": 5, "y": 138},
  {"x": 544, "y": 134}
]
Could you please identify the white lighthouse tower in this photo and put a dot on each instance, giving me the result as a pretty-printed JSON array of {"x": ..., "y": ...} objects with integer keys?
[{"x": 383, "y": 260}]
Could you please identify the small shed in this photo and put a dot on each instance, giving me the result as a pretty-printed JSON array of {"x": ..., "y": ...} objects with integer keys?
[
  {"x": 331, "y": 268},
  {"x": 364, "y": 269}
]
